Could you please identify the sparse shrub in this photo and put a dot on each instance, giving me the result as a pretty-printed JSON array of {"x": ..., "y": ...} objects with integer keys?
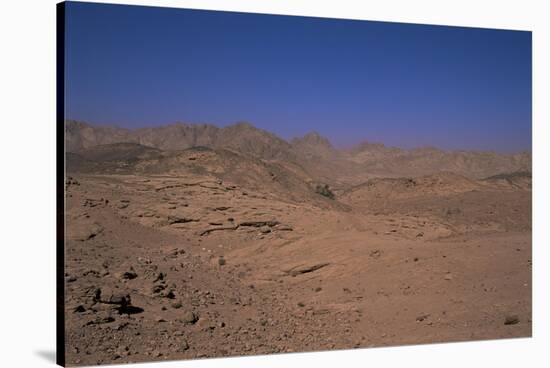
[{"x": 324, "y": 190}]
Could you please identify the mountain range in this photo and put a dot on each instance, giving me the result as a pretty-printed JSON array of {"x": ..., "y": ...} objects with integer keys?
[{"x": 312, "y": 152}]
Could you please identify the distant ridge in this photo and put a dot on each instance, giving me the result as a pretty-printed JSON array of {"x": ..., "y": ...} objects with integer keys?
[{"x": 313, "y": 152}]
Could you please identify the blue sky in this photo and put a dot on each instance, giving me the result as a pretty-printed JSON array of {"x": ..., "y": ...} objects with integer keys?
[{"x": 401, "y": 84}]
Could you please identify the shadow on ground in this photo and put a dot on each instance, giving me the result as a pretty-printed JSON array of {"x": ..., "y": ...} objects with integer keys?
[{"x": 48, "y": 355}]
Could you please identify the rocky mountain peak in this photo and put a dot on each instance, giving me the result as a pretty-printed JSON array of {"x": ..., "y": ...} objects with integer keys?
[{"x": 312, "y": 139}]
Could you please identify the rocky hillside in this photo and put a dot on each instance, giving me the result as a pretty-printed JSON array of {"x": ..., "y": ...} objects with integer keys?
[
  {"x": 281, "y": 179},
  {"x": 241, "y": 137}
]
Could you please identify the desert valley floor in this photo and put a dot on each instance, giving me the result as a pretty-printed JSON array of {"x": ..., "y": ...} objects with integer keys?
[{"x": 204, "y": 253}]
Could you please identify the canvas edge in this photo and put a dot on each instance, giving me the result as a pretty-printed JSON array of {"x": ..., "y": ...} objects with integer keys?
[{"x": 60, "y": 181}]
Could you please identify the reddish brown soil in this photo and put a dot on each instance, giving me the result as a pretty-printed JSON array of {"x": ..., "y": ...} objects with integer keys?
[{"x": 181, "y": 267}]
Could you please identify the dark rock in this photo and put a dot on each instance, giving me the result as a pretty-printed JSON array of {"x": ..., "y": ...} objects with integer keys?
[
  {"x": 91, "y": 272},
  {"x": 422, "y": 317},
  {"x": 120, "y": 299},
  {"x": 71, "y": 181},
  {"x": 170, "y": 294},
  {"x": 511, "y": 320},
  {"x": 180, "y": 220},
  {"x": 128, "y": 275},
  {"x": 71, "y": 279},
  {"x": 260, "y": 223},
  {"x": 161, "y": 276},
  {"x": 177, "y": 251},
  {"x": 157, "y": 288},
  {"x": 301, "y": 270}
]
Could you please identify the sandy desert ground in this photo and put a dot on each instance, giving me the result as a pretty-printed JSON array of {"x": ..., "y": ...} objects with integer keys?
[{"x": 209, "y": 252}]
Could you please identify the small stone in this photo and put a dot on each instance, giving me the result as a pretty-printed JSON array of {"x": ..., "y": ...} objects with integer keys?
[
  {"x": 79, "y": 309},
  {"x": 184, "y": 346},
  {"x": 221, "y": 261},
  {"x": 128, "y": 275},
  {"x": 71, "y": 279},
  {"x": 158, "y": 288},
  {"x": 448, "y": 277},
  {"x": 113, "y": 297},
  {"x": 189, "y": 318},
  {"x": 206, "y": 323},
  {"x": 101, "y": 320},
  {"x": 176, "y": 305},
  {"x": 161, "y": 276},
  {"x": 121, "y": 299},
  {"x": 511, "y": 320},
  {"x": 375, "y": 253},
  {"x": 422, "y": 317},
  {"x": 170, "y": 295}
]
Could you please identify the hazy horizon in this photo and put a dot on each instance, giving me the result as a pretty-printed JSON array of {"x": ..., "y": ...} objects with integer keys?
[{"x": 403, "y": 85}]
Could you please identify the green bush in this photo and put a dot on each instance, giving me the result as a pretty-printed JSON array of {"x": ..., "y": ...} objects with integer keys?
[{"x": 324, "y": 190}]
